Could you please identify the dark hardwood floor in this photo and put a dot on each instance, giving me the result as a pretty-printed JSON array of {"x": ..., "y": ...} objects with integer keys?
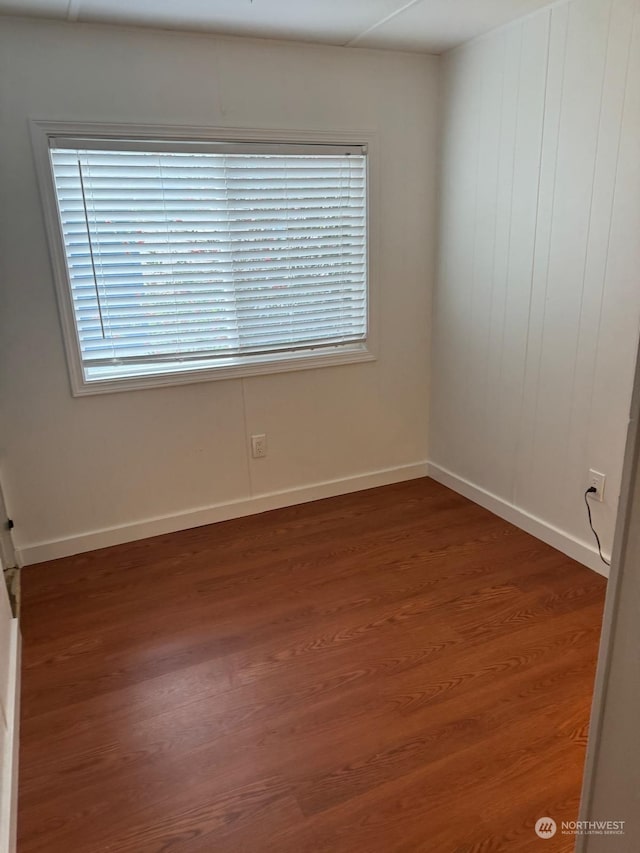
[{"x": 393, "y": 670}]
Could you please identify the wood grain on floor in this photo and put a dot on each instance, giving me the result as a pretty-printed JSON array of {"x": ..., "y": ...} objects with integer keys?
[{"x": 392, "y": 670}]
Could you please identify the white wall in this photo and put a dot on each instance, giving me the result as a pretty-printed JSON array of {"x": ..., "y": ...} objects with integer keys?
[
  {"x": 538, "y": 298},
  {"x": 73, "y": 466}
]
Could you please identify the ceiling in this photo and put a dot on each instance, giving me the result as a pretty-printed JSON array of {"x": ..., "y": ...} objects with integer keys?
[{"x": 432, "y": 26}]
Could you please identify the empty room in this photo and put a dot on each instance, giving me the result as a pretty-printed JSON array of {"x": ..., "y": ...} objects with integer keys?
[{"x": 319, "y": 444}]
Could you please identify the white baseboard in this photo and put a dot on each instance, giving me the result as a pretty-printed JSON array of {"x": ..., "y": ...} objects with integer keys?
[
  {"x": 9, "y": 770},
  {"x": 577, "y": 549},
  {"x": 40, "y": 551}
]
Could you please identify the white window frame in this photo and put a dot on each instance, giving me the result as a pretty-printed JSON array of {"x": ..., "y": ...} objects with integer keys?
[{"x": 43, "y": 130}]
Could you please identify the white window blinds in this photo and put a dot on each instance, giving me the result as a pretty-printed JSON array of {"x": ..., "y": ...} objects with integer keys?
[{"x": 180, "y": 255}]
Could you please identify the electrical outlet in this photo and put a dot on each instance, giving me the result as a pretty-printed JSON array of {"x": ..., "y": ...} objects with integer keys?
[
  {"x": 596, "y": 480},
  {"x": 259, "y": 446}
]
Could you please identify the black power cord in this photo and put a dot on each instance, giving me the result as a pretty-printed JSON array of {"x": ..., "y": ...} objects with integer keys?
[{"x": 592, "y": 490}]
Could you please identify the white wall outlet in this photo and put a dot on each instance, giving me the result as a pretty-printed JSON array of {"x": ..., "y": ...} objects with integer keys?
[
  {"x": 596, "y": 480},
  {"x": 259, "y": 446}
]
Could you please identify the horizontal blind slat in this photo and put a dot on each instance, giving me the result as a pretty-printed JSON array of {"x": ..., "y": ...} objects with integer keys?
[{"x": 183, "y": 255}]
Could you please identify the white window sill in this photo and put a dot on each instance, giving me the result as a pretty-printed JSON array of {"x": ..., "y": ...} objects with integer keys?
[{"x": 147, "y": 376}]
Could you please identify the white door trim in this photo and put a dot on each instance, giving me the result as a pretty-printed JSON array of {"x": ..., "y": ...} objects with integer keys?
[
  {"x": 9, "y": 770},
  {"x": 612, "y": 769}
]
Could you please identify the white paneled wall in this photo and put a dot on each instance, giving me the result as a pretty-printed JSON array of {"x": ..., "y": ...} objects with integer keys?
[{"x": 537, "y": 303}]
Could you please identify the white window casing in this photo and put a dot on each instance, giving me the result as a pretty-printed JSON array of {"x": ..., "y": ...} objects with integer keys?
[{"x": 183, "y": 255}]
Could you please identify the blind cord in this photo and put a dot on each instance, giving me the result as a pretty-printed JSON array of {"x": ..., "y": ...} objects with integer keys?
[
  {"x": 93, "y": 262},
  {"x": 589, "y": 491}
]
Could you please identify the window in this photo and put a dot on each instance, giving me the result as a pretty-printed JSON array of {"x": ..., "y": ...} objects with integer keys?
[{"x": 201, "y": 259}]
